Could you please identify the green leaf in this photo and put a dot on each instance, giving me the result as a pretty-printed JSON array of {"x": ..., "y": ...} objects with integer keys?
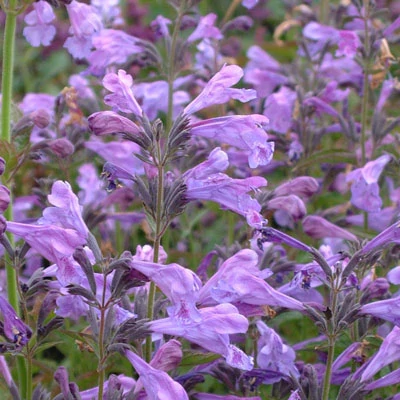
[
  {"x": 47, "y": 345},
  {"x": 327, "y": 156},
  {"x": 192, "y": 358}
]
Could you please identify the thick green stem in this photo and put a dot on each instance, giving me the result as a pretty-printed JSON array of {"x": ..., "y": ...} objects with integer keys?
[
  {"x": 100, "y": 368},
  {"x": 364, "y": 109},
  {"x": 328, "y": 371},
  {"x": 324, "y": 11},
  {"x": 6, "y": 91},
  {"x": 29, "y": 376},
  {"x": 159, "y": 228},
  {"x": 331, "y": 342},
  {"x": 229, "y": 12}
]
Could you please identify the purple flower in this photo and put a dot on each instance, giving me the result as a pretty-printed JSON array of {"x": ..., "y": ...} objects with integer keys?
[
  {"x": 119, "y": 153},
  {"x": 218, "y": 90},
  {"x": 66, "y": 212},
  {"x": 273, "y": 354},
  {"x": 153, "y": 97},
  {"x": 158, "y": 384},
  {"x": 239, "y": 281},
  {"x": 84, "y": 24},
  {"x": 348, "y": 42},
  {"x": 39, "y": 30},
  {"x": 249, "y": 3},
  {"x": 112, "y": 47},
  {"x": 242, "y": 131},
  {"x": 365, "y": 188},
  {"x": 4, "y": 198},
  {"x": 109, "y": 10},
  {"x": 182, "y": 286},
  {"x": 263, "y": 72},
  {"x": 160, "y": 26},
  {"x": 279, "y": 109},
  {"x": 391, "y": 379},
  {"x": 204, "y": 183},
  {"x": 179, "y": 284},
  {"x": 122, "y": 98},
  {"x": 386, "y": 237},
  {"x": 211, "y": 332},
  {"x": 274, "y": 236},
  {"x": 52, "y": 242},
  {"x": 291, "y": 204},
  {"x": 206, "y": 29},
  {"x": 14, "y": 329},
  {"x": 319, "y": 228},
  {"x": 302, "y": 186},
  {"x": 389, "y": 310},
  {"x": 108, "y": 122},
  {"x": 388, "y": 353}
]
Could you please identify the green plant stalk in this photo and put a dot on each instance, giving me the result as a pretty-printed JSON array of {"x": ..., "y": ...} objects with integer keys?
[
  {"x": 229, "y": 12},
  {"x": 324, "y": 11},
  {"x": 365, "y": 100},
  {"x": 331, "y": 346},
  {"x": 6, "y": 89},
  {"x": 159, "y": 229},
  {"x": 100, "y": 368},
  {"x": 29, "y": 375}
]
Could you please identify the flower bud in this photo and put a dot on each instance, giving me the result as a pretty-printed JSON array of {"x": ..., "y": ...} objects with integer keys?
[
  {"x": 41, "y": 118},
  {"x": 4, "y": 198},
  {"x": 3, "y": 225},
  {"x": 61, "y": 147},
  {"x": 2, "y": 165}
]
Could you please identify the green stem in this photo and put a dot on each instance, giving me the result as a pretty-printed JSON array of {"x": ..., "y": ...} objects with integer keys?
[
  {"x": 229, "y": 12},
  {"x": 159, "y": 229},
  {"x": 365, "y": 99},
  {"x": 28, "y": 375},
  {"x": 6, "y": 90},
  {"x": 324, "y": 12},
  {"x": 364, "y": 110},
  {"x": 101, "y": 369},
  {"x": 331, "y": 343},
  {"x": 328, "y": 371},
  {"x": 171, "y": 68}
]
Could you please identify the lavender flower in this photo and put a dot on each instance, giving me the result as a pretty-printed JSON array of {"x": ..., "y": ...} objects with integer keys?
[
  {"x": 182, "y": 286},
  {"x": 218, "y": 90},
  {"x": 66, "y": 212},
  {"x": 279, "y": 109},
  {"x": 319, "y": 228},
  {"x": 387, "y": 354},
  {"x": 239, "y": 281},
  {"x": 273, "y": 354},
  {"x": 14, "y": 329},
  {"x": 249, "y": 3},
  {"x": 157, "y": 384},
  {"x": 365, "y": 189},
  {"x": 112, "y": 47},
  {"x": 205, "y": 183},
  {"x": 242, "y": 131},
  {"x": 4, "y": 198},
  {"x": 109, "y": 122},
  {"x": 84, "y": 24},
  {"x": 388, "y": 310},
  {"x": 347, "y": 41},
  {"x": 39, "y": 30},
  {"x": 206, "y": 29},
  {"x": 122, "y": 98}
]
